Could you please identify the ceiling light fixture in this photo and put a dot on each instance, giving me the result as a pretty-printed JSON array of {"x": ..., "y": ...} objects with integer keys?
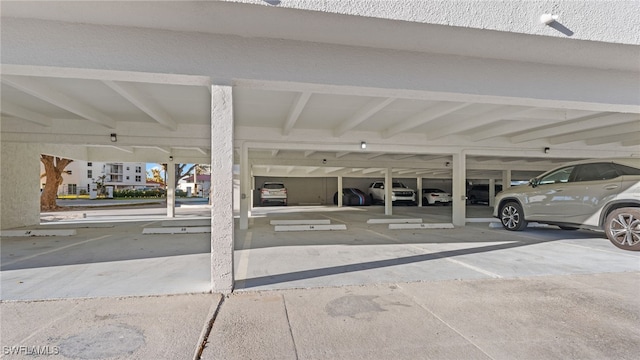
[
  {"x": 114, "y": 137},
  {"x": 547, "y": 19},
  {"x": 363, "y": 145},
  {"x": 546, "y": 150}
]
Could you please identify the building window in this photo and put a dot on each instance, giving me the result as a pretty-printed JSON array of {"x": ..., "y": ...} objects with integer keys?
[
  {"x": 71, "y": 189},
  {"x": 127, "y": 178},
  {"x": 127, "y": 168},
  {"x": 138, "y": 178},
  {"x": 89, "y": 163},
  {"x": 89, "y": 174},
  {"x": 138, "y": 169}
]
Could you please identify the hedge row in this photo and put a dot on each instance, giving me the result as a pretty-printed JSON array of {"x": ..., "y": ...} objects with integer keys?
[{"x": 126, "y": 193}]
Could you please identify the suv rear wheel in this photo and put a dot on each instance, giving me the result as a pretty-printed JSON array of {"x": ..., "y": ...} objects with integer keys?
[
  {"x": 623, "y": 228},
  {"x": 512, "y": 217}
]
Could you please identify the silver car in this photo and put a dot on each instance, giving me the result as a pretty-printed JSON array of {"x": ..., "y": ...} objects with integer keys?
[{"x": 593, "y": 194}]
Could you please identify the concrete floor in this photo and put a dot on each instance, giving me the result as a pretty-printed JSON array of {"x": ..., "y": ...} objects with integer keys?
[
  {"x": 367, "y": 292},
  {"x": 115, "y": 259}
]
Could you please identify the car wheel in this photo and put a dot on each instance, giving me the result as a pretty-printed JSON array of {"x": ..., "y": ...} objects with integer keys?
[
  {"x": 623, "y": 228},
  {"x": 512, "y": 216}
]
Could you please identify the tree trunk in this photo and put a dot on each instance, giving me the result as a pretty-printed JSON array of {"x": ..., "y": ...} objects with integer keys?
[{"x": 53, "y": 168}]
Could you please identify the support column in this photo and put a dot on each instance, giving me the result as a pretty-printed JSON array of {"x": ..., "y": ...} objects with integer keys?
[
  {"x": 419, "y": 190},
  {"x": 459, "y": 193},
  {"x": 388, "y": 185},
  {"x": 506, "y": 179},
  {"x": 19, "y": 185},
  {"x": 245, "y": 184},
  {"x": 492, "y": 192},
  {"x": 222, "y": 189},
  {"x": 171, "y": 189},
  {"x": 340, "y": 191}
]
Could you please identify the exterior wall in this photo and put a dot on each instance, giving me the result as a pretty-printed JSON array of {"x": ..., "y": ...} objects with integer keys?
[
  {"x": 608, "y": 21},
  {"x": 19, "y": 189}
]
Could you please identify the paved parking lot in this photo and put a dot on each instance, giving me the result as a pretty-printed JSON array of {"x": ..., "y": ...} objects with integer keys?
[
  {"x": 365, "y": 292},
  {"x": 106, "y": 258}
]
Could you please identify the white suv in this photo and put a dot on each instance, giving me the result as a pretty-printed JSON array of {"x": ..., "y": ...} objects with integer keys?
[
  {"x": 399, "y": 193},
  {"x": 273, "y": 192},
  {"x": 593, "y": 194}
]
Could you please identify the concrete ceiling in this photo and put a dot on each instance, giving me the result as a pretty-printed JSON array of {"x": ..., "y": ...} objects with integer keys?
[
  {"x": 85, "y": 111},
  {"x": 306, "y": 129}
]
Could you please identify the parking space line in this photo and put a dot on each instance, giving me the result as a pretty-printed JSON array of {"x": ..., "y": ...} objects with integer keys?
[
  {"x": 53, "y": 250},
  {"x": 601, "y": 250},
  {"x": 458, "y": 262},
  {"x": 474, "y": 268},
  {"x": 243, "y": 263}
]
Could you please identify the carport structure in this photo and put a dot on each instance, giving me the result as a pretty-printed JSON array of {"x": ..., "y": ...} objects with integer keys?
[{"x": 292, "y": 89}]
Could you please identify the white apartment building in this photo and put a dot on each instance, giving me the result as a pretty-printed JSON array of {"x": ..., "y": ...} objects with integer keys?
[{"x": 80, "y": 175}]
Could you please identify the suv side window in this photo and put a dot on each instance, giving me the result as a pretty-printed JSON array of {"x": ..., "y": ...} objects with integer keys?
[
  {"x": 558, "y": 176},
  {"x": 596, "y": 171},
  {"x": 626, "y": 170},
  {"x": 377, "y": 185}
]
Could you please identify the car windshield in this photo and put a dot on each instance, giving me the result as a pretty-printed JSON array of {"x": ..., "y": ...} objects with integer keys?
[
  {"x": 433, "y": 190},
  {"x": 398, "y": 185},
  {"x": 273, "y": 186}
]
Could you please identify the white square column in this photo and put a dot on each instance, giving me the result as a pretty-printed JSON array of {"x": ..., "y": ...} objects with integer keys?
[
  {"x": 171, "y": 189},
  {"x": 388, "y": 186},
  {"x": 419, "y": 190},
  {"x": 492, "y": 192},
  {"x": 459, "y": 196},
  {"x": 506, "y": 179},
  {"x": 340, "y": 191},
  {"x": 245, "y": 187},
  {"x": 222, "y": 189}
]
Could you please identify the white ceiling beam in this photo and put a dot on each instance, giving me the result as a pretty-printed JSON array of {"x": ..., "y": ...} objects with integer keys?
[
  {"x": 308, "y": 153},
  {"x": 403, "y": 156},
  {"x": 594, "y": 133},
  {"x": 509, "y": 128},
  {"x": 364, "y": 113},
  {"x": 127, "y": 149},
  {"x": 25, "y": 114},
  {"x": 191, "y": 148},
  {"x": 290, "y": 169},
  {"x": 148, "y": 106},
  {"x": 312, "y": 169},
  {"x": 433, "y": 113},
  {"x": 342, "y": 154},
  {"x": 477, "y": 121},
  {"x": 333, "y": 170},
  {"x": 114, "y": 75},
  {"x": 375, "y": 155},
  {"x": 54, "y": 97},
  {"x": 614, "y": 138},
  {"x": 371, "y": 170},
  {"x": 274, "y": 152},
  {"x": 588, "y": 122},
  {"x": 634, "y": 142},
  {"x": 296, "y": 110},
  {"x": 159, "y": 148}
]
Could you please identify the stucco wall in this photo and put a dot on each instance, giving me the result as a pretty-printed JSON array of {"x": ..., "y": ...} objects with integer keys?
[
  {"x": 615, "y": 21},
  {"x": 19, "y": 189}
]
